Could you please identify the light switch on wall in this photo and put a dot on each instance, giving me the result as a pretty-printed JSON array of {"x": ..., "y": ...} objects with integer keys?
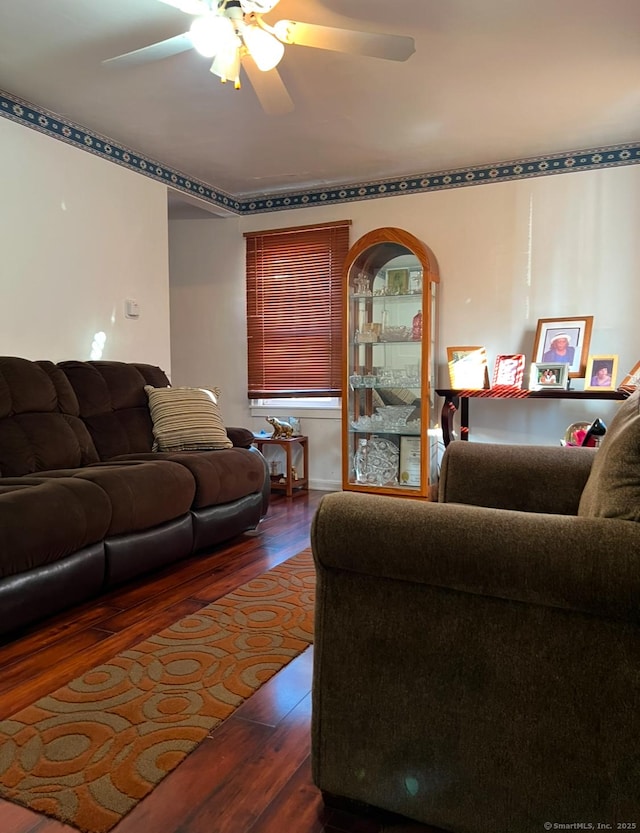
[{"x": 131, "y": 308}]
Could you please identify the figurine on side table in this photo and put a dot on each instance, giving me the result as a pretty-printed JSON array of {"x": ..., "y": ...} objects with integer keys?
[{"x": 280, "y": 429}]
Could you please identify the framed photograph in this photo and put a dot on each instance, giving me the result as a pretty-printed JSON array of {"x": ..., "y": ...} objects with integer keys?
[
  {"x": 398, "y": 282},
  {"x": 410, "y": 461},
  {"x": 631, "y": 381},
  {"x": 601, "y": 373},
  {"x": 467, "y": 368},
  {"x": 564, "y": 340},
  {"x": 548, "y": 375},
  {"x": 508, "y": 371}
]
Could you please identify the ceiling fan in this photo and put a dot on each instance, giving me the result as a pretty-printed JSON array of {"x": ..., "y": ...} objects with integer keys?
[{"x": 233, "y": 33}]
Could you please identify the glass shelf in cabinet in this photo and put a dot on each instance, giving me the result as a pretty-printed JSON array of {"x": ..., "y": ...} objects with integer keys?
[
  {"x": 354, "y": 384},
  {"x": 385, "y": 341},
  {"x": 399, "y": 296},
  {"x": 396, "y": 432},
  {"x": 385, "y": 296}
]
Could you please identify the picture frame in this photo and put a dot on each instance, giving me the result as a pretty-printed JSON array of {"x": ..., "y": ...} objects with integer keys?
[
  {"x": 467, "y": 367},
  {"x": 631, "y": 381},
  {"x": 410, "y": 461},
  {"x": 601, "y": 372},
  {"x": 397, "y": 282},
  {"x": 508, "y": 371},
  {"x": 575, "y": 331},
  {"x": 548, "y": 375}
]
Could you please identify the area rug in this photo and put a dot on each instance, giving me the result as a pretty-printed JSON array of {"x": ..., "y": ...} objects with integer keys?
[{"x": 90, "y": 751}]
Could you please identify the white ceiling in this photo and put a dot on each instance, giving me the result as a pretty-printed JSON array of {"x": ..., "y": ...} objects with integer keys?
[{"x": 490, "y": 81}]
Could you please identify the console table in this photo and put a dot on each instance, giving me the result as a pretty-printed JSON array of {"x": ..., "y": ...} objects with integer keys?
[{"x": 454, "y": 399}]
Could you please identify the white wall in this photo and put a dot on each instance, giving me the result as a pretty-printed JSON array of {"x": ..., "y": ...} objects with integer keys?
[
  {"x": 509, "y": 253},
  {"x": 78, "y": 235}
]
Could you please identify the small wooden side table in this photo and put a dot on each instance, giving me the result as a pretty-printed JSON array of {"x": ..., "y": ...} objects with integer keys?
[{"x": 302, "y": 483}]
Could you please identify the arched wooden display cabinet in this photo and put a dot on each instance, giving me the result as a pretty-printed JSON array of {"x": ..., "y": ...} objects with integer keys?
[{"x": 390, "y": 302}]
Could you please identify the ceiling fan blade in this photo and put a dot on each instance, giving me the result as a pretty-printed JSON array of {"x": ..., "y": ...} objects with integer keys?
[
  {"x": 371, "y": 44},
  {"x": 189, "y": 6},
  {"x": 257, "y": 6},
  {"x": 154, "y": 52},
  {"x": 270, "y": 89}
]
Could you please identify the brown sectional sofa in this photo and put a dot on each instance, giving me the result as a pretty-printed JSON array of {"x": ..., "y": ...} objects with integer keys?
[{"x": 84, "y": 501}]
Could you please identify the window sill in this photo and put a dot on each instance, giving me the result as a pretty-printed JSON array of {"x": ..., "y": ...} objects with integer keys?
[{"x": 308, "y": 411}]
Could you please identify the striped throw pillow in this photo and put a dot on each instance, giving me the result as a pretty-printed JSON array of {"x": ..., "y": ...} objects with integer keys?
[{"x": 186, "y": 419}]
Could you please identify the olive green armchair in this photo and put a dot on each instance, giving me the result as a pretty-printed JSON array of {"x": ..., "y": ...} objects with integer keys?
[{"x": 477, "y": 659}]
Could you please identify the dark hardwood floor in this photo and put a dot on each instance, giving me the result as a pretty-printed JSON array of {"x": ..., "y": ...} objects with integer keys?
[{"x": 252, "y": 774}]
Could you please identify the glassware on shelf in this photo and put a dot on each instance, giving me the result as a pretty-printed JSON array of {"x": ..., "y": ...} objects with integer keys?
[
  {"x": 394, "y": 416},
  {"x": 368, "y": 423},
  {"x": 415, "y": 282},
  {"x": 367, "y": 381},
  {"x": 369, "y": 333},
  {"x": 412, "y": 372},
  {"x": 376, "y": 461},
  {"x": 408, "y": 377},
  {"x": 361, "y": 461},
  {"x": 396, "y": 334},
  {"x": 412, "y": 427},
  {"x": 362, "y": 285},
  {"x": 391, "y": 419}
]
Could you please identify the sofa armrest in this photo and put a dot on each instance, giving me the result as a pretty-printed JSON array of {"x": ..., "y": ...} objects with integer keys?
[
  {"x": 522, "y": 477},
  {"x": 240, "y": 437},
  {"x": 574, "y": 563},
  {"x": 266, "y": 484}
]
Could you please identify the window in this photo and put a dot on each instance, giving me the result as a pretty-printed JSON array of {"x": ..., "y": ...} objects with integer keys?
[{"x": 294, "y": 310}]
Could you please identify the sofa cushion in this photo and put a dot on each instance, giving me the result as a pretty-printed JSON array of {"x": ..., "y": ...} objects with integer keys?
[
  {"x": 31, "y": 534},
  {"x": 113, "y": 405},
  {"x": 30, "y": 443},
  {"x": 67, "y": 399},
  {"x": 186, "y": 419},
  {"x": 613, "y": 487},
  {"x": 142, "y": 494},
  {"x": 34, "y": 433}
]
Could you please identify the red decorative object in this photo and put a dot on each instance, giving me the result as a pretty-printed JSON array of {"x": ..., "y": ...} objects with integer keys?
[
  {"x": 508, "y": 371},
  {"x": 416, "y": 328}
]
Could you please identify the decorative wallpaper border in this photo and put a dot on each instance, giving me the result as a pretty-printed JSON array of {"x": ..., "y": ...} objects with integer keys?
[{"x": 52, "y": 125}]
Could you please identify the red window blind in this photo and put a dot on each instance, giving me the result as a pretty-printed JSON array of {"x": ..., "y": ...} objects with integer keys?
[{"x": 294, "y": 310}]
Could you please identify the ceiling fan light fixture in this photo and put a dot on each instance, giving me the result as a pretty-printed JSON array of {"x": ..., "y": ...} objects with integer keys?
[
  {"x": 284, "y": 31},
  {"x": 211, "y": 34},
  {"x": 226, "y": 65},
  {"x": 265, "y": 50}
]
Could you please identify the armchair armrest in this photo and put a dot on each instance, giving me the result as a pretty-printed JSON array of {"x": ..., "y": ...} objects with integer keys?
[
  {"x": 521, "y": 477},
  {"x": 574, "y": 563}
]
